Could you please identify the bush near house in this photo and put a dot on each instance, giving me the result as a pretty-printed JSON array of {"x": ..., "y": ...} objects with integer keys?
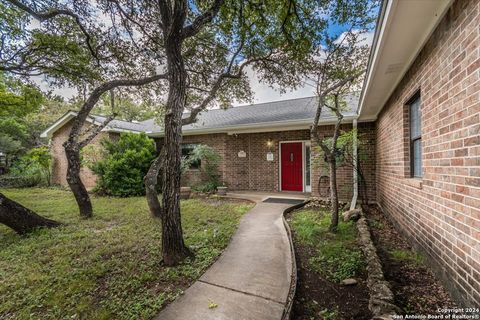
[
  {"x": 32, "y": 169},
  {"x": 123, "y": 164},
  {"x": 209, "y": 159}
]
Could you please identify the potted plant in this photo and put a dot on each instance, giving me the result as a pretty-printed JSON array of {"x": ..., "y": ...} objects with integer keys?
[
  {"x": 185, "y": 192},
  {"x": 222, "y": 190}
]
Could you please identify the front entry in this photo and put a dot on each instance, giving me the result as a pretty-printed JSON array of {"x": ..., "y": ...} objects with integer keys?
[{"x": 292, "y": 166}]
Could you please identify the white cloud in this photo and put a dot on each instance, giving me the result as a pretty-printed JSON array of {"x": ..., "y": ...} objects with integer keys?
[
  {"x": 366, "y": 37},
  {"x": 66, "y": 92},
  {"x": 264, "y": 93}
]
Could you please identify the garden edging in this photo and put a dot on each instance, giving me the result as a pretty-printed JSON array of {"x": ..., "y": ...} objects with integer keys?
[
  {"x": 381, "y": 302},
  {"x": 293, "y": 283}
]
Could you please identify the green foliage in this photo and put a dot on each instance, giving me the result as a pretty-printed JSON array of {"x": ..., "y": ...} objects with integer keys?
[
  {"x": 16, "y": 102},
  {"x": 127, "y": 107},
  {"x": 307, "y": 226},
  {"x": 329, "y": 314},
  {"x": 210, "y": 162},
  {"x": 376, "y": 224},
  {"x": 407, "y": 256},
  {"x": 205, "y": 187},
  {"x": 9, "y": 145},
  {"x": 32, "y": 169},
  {"x": 109, "y": 266},
  {"x": 337, "y": 254},
  {"x": 125, "y": 163},
  {"x": 26, "y": 180},
  {"x": 337, "y": 263},
  {"x": 17, "y": 99}
]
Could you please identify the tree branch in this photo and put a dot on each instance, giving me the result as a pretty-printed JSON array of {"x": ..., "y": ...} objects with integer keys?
[
  {"x": 97, "y": 93},
  {"x": 202, "y": 20},
  {"x": 139, "y": 25},
  {"x": 52, "y": 13},
  {"x": 218, "y": 84},
  {"x": 95, "y": 131}
]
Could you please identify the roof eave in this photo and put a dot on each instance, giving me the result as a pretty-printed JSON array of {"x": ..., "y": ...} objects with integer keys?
[
  {"x": 260, "y": 127},
  {"x": 393, "y": 49}
]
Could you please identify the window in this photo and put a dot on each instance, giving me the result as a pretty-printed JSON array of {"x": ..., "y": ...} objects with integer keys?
[
  {"x": 308, "y": 187},
  {"x": 415, "y": 137},
  {"x": 187, "y": 150}
]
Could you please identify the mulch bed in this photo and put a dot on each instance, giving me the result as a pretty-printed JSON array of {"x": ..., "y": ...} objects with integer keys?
[
  {"x": 414, "y": 286},
  {"x": 315, "y": 294}
]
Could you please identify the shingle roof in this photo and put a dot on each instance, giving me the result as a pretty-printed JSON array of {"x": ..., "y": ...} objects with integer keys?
[
  {"x": 124, "y": 125},
  {"x": 302, "y": 109},
  {"x": 288, "y": 111}
]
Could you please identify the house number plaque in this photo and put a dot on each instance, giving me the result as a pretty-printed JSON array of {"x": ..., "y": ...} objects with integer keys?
[
  {"x": 242, "y": 154},
  {"x": 270, "y": 156}
]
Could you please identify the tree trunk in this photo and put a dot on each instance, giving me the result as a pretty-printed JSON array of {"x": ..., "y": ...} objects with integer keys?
[
  {"x": 174, "y": 249},
  {"x": 151, "y": 182},
  {"x": 333, "y": 193},
  {"x": 72, "y": 151},
  {"x": 21, "y": 219}
]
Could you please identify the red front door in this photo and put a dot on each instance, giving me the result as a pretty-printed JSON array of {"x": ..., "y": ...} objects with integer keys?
[{"x": 291, "y": 166}]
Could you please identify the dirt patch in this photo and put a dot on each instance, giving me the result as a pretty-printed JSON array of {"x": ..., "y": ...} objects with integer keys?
[
  {"x": 414, "y": 286},
  {"x": 318, "y": 298}
]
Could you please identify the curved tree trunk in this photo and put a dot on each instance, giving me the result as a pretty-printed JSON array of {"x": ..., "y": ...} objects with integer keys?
[
  {"x": 151, "y": 181},
  {"x": 174, "y": 249},
  {"x": 21, "y": 219},
  {"x": 333, "y": 194},
  {"x": 82, "y": 197},
  {"x": 332, "y": 160}
]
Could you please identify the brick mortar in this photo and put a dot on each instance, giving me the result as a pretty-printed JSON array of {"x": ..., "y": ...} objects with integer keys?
[{"x": 440, "y": 216}]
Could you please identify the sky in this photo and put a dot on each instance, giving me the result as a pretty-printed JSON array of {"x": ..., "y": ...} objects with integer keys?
[
  {"x": 261, "y": 91},
  {"x": 264, "y": 93}
]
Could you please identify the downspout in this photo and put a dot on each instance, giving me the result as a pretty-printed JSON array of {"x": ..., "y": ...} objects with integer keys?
[{"x": 353, "y": 204}]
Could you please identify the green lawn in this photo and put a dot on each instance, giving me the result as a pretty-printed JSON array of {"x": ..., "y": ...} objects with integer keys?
[{"x": 107, "y": 267}]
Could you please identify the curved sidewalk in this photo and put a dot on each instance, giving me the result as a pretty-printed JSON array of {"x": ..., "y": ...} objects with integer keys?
[{"x": 251, "y": 279}]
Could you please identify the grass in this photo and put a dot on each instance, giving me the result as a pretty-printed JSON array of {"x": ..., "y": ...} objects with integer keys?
[
  {"x": 337, "y": 256},
  {"x": 407, "y": 256},
  {"x": 106, "y": 267}
]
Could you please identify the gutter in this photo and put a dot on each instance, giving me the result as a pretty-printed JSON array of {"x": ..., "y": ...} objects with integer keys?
[{"x": 353, "y": 203}]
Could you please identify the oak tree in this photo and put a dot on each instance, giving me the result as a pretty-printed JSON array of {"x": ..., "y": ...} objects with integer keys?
[{"x": 337, "y": 70}]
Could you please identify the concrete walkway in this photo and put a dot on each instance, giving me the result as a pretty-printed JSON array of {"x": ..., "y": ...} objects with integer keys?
[{"x": 251, "y": 279}]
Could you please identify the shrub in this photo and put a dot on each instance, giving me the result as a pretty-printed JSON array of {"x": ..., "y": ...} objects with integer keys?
[
  {"x": 205, "y": 187},
  {"x": 125, "y": 162},
  {"x": 19, "y": 181},
  {"x": 210, "y": 161},
  {"x": 32, "y": 169}
]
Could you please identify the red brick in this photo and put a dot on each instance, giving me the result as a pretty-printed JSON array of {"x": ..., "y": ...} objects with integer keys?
[{"x": 450, "y": 98}]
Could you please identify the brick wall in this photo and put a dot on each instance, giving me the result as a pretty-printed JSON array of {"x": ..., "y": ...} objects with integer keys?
[
  {"x": 59, "y": 163},
  {"x": 254, "y": 172},
  {"x": 440, "y": 213},
  {"x": 366, "y": 150},
  {"x": 217, "y": 142}
]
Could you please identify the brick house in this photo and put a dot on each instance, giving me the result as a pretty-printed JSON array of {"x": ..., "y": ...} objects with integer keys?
[
  {"x": 419, "y": 117},
  {"x": 422, "y": 91},
  {"x": 264, "y": 147}
]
